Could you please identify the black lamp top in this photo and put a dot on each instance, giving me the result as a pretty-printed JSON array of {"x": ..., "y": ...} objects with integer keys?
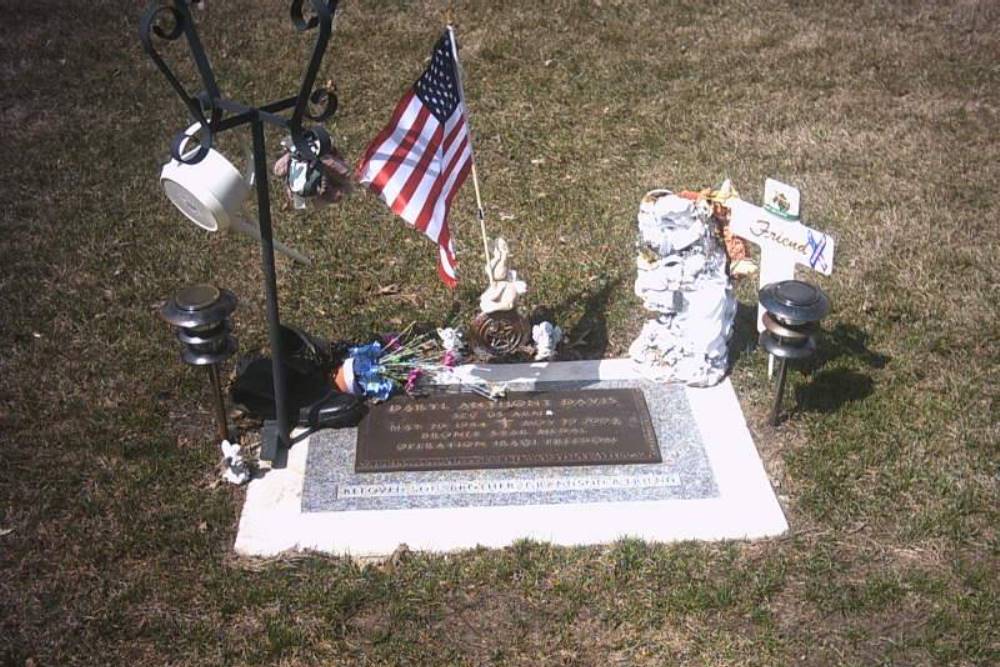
[
  {"x": 197, "y": 297},
  {"x": 199, "y": 305},
  {"x": 794, "y": 301}
]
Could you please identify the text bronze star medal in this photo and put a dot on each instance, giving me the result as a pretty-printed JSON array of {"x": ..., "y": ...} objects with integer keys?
[{"x": 527, "y": 429}]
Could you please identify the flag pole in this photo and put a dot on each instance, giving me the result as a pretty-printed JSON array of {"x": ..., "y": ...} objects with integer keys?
[{"x": 480, "y": 213}]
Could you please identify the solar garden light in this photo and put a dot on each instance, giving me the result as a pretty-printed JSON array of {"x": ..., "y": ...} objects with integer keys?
[
  {"x": 793, "y": 310},
  {"x": 201, "y": 315}
]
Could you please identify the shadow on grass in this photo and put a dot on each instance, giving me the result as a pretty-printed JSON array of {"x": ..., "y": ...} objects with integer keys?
[
  {"x": 588, "y": 338},
  {"x": 828, "y": 391},
  {"x": 744, "y": 339},
  {"x": 845, "y": 340}
]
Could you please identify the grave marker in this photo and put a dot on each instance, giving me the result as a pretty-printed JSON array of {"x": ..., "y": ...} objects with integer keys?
[
  {"x": 527, "y": 429},
  {"x": 710, "y": 483}
]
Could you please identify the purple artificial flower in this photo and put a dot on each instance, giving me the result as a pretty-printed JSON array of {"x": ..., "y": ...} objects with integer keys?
[
  {"x": 393, "y": 341},
  {"x": 412, "y": 379},
  {"x": 450, "y": 359}
]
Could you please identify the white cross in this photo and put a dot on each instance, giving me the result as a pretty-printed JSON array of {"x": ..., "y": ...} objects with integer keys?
[{"x": 783, "y": 242}]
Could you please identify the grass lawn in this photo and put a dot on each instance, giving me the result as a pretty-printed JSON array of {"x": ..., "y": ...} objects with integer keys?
[{"x": 115, "y": 536}]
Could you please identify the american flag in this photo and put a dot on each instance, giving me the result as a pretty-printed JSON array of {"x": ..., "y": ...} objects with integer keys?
[{"x": 420, "y": 159}]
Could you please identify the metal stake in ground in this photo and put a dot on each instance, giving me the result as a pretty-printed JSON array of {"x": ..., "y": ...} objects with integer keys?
[{"x": 779, "y": 392}]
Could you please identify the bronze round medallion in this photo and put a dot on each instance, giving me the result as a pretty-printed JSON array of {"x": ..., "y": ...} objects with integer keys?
[{"x": 499, "y": 333}]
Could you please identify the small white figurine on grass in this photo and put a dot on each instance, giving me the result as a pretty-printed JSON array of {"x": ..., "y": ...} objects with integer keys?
[
  {"x": 236, "y": 470},
  {"x": 547, "y": 337}
]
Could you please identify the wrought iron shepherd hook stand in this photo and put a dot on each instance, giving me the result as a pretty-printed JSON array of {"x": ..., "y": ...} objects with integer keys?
[{"x": 169, "y": 20}]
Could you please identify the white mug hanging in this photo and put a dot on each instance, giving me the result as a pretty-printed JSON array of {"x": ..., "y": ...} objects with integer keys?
[{"x": 211, "y": 193}]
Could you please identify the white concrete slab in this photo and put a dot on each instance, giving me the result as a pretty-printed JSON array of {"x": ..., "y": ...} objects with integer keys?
[{"x": 745, "y": 507}]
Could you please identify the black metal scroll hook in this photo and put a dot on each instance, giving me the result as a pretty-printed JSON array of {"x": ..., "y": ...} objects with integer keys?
[
  {"x": 308, "y": 140},
  {"x": 169, "y": 22}
]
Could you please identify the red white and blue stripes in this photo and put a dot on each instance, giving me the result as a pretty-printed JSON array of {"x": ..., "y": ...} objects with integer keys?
[{"x": 421, "y": 158}]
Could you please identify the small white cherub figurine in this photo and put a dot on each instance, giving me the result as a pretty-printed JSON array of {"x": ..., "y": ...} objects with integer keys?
[
  {"x": 454, "y": 346},
  {"x": 236, "y": 470},
  {"x": 504, "y": 286},
  {"x": 546, "y": 336}
]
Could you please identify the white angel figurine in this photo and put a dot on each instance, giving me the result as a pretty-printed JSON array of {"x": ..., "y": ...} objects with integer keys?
[
  {"x": 451, "y": 340},
  {"x": 236, "y": 470},
  {"x": 504, "y": 286},
  {"x": 547, "y": 337}
]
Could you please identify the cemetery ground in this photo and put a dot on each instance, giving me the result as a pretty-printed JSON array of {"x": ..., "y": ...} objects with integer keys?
[{"x": 115, "y": 534}]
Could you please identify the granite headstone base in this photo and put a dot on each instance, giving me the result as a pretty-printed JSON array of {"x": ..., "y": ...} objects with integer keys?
[
  {"x": 331, "y": 485},
  {"x": 710, "y": 483}
]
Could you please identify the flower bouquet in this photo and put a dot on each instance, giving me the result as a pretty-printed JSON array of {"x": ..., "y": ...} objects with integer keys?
[{"x": 402, "y": 362}]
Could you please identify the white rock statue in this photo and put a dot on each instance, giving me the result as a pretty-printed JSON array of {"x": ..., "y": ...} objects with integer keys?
[
  {"x": 504, "y": 287},
  {"x": 682, "y": 279},
  {"x": 236, "y": 470},
  {"x": 546, "y": 337}
]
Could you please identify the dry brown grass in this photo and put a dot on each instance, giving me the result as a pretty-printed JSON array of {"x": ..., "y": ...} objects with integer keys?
[{"x": 885, "y": 116}]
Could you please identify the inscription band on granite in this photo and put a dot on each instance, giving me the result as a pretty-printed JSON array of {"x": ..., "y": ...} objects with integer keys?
[
  {"x": 500, "y": 486},
  {"x": 527, "y": 429}
]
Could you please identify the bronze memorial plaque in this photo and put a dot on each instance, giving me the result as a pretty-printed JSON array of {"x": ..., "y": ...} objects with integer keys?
[{"x": 526, "y": 429}]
